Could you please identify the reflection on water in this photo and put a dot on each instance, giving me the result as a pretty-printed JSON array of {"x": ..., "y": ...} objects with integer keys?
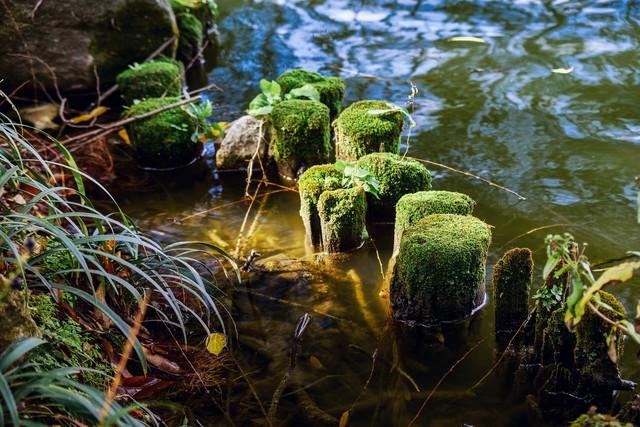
[{"x": 567, "y": 142}]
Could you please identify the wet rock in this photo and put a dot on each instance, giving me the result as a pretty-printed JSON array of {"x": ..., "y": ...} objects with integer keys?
[
  {"x": 17, "y": 322},
  {"x": 240, "y": 143},
  {"x": 63, "y": 43}
]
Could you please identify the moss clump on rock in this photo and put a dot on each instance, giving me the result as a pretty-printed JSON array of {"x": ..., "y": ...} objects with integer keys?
[
  {"x": 342, "y": 216},
  {"x": 153, "y": 79},
  {"x": 300, "y": 135},
  {"x": 315, "y": 181},
  {"x": 411, "y": 208},
  {"x": 440, "y": 269},
  {"x": 396, "y": 177},
  {"x": 331, "y": 89},
  {"x": 191, "y": 36},
  {"x": 163, "y": 140},
  {"x": 358, "y": 132}
]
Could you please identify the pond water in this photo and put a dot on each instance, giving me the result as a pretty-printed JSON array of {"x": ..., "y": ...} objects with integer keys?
[{"x": 569, "y": 143}]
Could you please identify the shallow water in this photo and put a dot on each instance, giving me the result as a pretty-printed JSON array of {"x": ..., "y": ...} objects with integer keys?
[{"x": 569, "y": 143}]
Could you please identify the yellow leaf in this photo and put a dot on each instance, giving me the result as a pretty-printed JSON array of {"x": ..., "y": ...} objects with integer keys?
[
  {"x": 216, "y": 342},
  {"x": 315, "y": 362},
  {"x": 562, "y": 70},
  {"x": 122, "y": 133},
  {"x": 98, "y": 111},
  {"x": 344, "y": 419},
  {"x": 41, "y": 117},
  {"x": 469, "y": 39}
]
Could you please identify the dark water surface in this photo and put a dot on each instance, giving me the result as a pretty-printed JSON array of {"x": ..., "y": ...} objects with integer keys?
[{"x": 569, "y": 143}]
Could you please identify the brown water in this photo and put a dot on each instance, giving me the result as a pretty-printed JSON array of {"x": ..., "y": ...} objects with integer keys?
[{"x": 569, "y": 143}]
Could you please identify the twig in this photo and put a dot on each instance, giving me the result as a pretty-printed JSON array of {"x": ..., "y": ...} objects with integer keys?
[{"x": 344, "y": 418}]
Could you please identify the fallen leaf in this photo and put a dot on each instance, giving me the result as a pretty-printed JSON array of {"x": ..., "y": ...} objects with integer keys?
[
  {"x": 469, "y": 39},
  {"x": 98, "y": 111},
  {"x": 122, "y": 133},
  {"x": 344, "y": 419},
  {"x": 315, "y": 362},
  {"x": 161, "y": 362},
  {"x": 216, "y": 342},
  {"x": 562, "y": 70},
  {"x": 41, "y": 117}
]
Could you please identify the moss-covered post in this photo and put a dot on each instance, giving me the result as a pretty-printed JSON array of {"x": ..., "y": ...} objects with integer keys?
[
  {"x": 440, "y": 269},
  {"x": 162, "y": 141},
  {"x": 397, "y": 177},
  {"x": 192, "y": 34},
  {"x": 153, "y": 79},
  {"x": 342, "y": 218},
  {"x": 331, "y": 89},
  {"x": 367, "y": 127},
  {"x": 411, "y": 208},
  {"x": 512, "y": 277},
  {"x": 300, "y": 136},
  {"x": 315, "y": 181}
]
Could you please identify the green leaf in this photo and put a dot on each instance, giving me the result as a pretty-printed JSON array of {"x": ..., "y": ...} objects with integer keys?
[
  {"x": 271, "y": 90},
  {"x": 552, "y": 263},
  {"x": 306, "y": 91}
]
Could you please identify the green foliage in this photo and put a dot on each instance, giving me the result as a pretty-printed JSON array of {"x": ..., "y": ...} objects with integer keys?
[
  {"x": 355, "y": 176},
  {"x": 262, "y": 105},
  {"x": 441, "y": 264},
  {"x": 210, "y": 5},
  {"x": 166, "y": 139},
  {"x": 593, "y": 419},
  {"x": 153, "y": 79},
  {"x": 342, "y": 214},
  {"x": 31, "y": 396},
  {"x": 368, "y": 127},
  {"x": 331, "y": 89},
  {"x": 549, "y": 296},
  {"x": 201, "y": 113},
  {"x": 397, "y": 177}
]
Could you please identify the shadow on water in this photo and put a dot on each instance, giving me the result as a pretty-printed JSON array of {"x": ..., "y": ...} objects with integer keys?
[{"x": 568, "y": 142}]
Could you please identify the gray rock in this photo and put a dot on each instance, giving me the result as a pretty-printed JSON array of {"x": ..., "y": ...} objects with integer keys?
[
  {"x": 240, "y": 143},
  {"x": 63, "y": 43}
]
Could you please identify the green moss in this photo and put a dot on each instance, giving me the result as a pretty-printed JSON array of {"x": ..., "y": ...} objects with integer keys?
[
  {"x": 331, "y": 89},
  {"x": 440, "y": 268},
  {"x": 342, "y": 216},
  {"x": 512, "y": 277},
  {"x": 163, "y": 140},
  {"x": 413, "y": 207},
  {"x": 191, "y": 36},
  {"x": 153, "y": 79},
  {"x": 300, "y": 136},
  {"x": 591, "y": 353},
  {"x": 397, "y": 177},
  {"x": 359, "y": 133},
  {"x": 69, "y": 344},
  {"x": 313, "y": 182}
]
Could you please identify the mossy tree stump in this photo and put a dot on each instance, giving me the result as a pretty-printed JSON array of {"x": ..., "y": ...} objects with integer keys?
[
  {"x": 300, "y": 137},
  {"x": 440, "y": 269},
  {"x": 164, "y": 140},
  {"x": 411, "y": 208},
  {"x": 315, "y": 181},
  {"x": 331, "y": 89},
  {"x": 342, "y": 218},
  {"x": 512, "y": 277},
  {"x": 397, "y": 177},
  {"x": 191, "y": 37},
  {"x": 361, "y": 129},
  {"x": 153, "y": 79}
]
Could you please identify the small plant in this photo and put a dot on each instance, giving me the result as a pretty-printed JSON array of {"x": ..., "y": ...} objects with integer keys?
[
  {"x": 201, "y": 113},
  {"x": 211, "y": 5},
  {"x": 354, "y": 175},
  {"x": 263, "y": 104},
  {"x": 549, "y": 297}
]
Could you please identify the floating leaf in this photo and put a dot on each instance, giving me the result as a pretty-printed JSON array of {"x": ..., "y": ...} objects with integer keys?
[
  {"x": 315, "y": 362},
  {"x": 98, "y": 111},
  {"x": 344, "y": 419},
  {"x": 468, "y": 39},
  {"x": 216, "y": 342},
  {"x": 122, "y": 133},
  {"x": 41, "y": 117},
  {"x": 562, "y": 70}
]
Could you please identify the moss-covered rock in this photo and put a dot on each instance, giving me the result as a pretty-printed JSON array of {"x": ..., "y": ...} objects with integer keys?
[
  {"x": 300, "y": 135},
  {"x": 191, "y": 39},
  {"x": 17, "y": 322},
  {"x": 411, "y": 208},
  {"x": 359, "y": 132},
  {"x": 440, "y": 269},
  {"x": 397, "y": 177},
  {"x": 153, "y": 79},
  {"x": 512, "y": 277},
  {"x": 315, "y": 181},
  {"x": 331, "y": 89},
  {"x": 165, "y": 139},
  {"x": 342, "y": 217}
]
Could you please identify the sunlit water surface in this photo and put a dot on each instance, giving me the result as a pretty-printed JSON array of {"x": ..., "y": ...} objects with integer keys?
[{"x": 569, "y": 143}]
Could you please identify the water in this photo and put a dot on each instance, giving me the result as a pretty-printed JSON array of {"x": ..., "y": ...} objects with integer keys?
[{"x": 569, "y": 143}]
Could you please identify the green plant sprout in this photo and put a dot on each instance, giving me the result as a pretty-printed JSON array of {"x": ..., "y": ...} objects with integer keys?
[
  {"x": 263, "y": 104},
  {"x": 354, "y": 175}
]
